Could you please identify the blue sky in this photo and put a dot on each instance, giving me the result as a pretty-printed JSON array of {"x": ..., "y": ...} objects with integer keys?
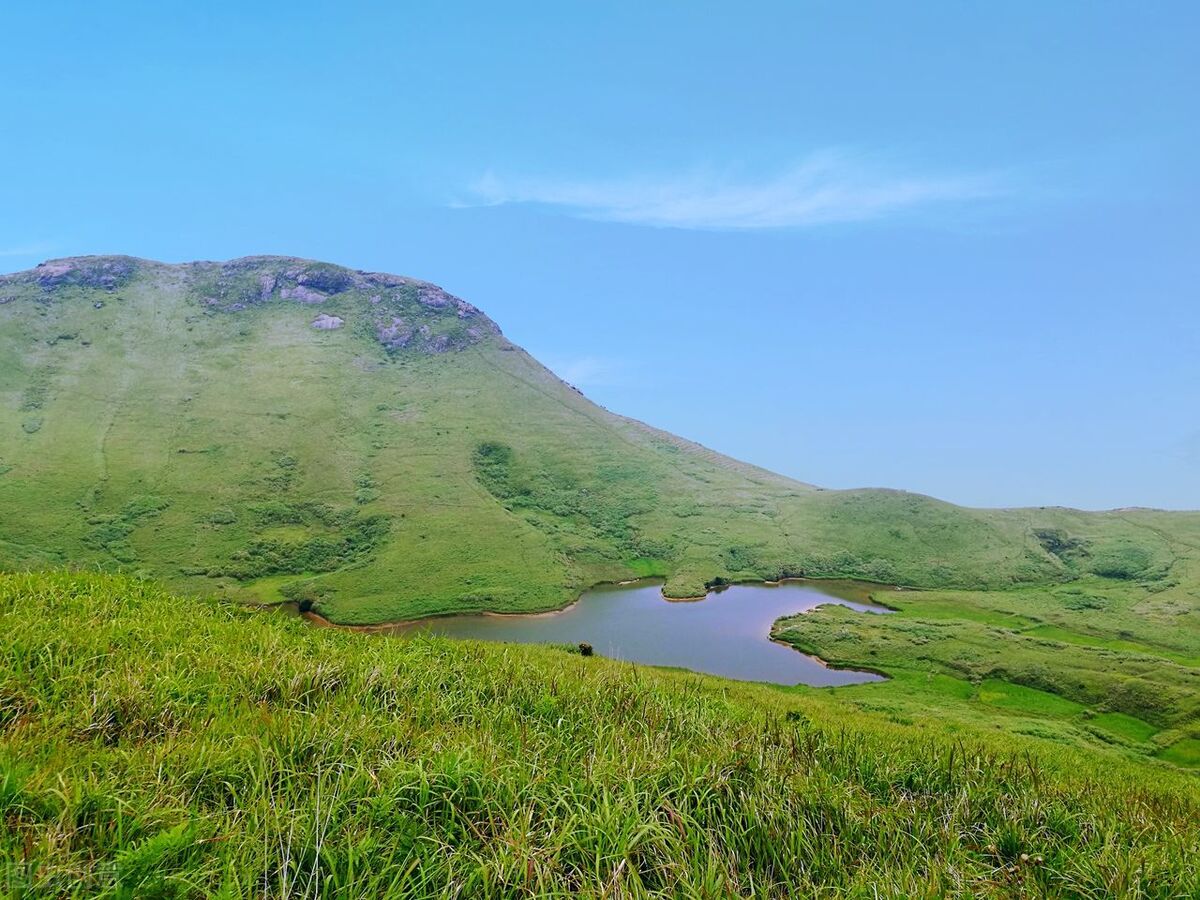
[{"x": 948, "y": 247}]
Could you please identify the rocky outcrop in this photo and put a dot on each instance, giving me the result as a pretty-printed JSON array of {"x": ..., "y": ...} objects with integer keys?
[
  {"x": 404, "y": 314},
  {"x": 303, "y": 293},
  {"x": 240, "y": 283},
  {"x": 105, "y": 273},
  {"x": 326, "y": 279},
  {"x": 394, "y": 334}
]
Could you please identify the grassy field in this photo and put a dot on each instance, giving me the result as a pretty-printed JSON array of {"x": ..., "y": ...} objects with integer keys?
[
  {"x": 1089, "y": 663},
  {"x": 192, "y": 423},
  {"x": 137, "y": 762}
]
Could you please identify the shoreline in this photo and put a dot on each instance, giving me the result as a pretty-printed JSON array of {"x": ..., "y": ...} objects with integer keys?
[
  {"x": 832, "y": 666},
  {"x": 868, "y": 589},
  {"x": 408, "y": 624}
]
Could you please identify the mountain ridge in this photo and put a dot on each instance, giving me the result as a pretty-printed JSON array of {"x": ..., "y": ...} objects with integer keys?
[
  {"x": 275, "y": 427},
  {"x": 102, "y": 261}
]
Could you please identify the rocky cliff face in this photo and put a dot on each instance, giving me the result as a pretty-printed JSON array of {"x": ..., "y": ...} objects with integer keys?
[{"x": 403, "y": 314}]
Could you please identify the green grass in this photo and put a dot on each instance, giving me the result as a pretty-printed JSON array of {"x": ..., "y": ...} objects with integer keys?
[
  {"x": 1185, "y": 752},
  {"x": 152, "y": 746},
  {"x": 1128, "y": 727},
  {"x": 993, "y": 660},
  {"x": 268, "y": 588},
  {"x": 1066, "y": 636},
  {"x": 1028, "y": 700},
  {"x": 646, "y": 568}
]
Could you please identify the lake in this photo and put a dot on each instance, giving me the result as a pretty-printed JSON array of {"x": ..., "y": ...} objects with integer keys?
[{"x": 727, "y": 633}]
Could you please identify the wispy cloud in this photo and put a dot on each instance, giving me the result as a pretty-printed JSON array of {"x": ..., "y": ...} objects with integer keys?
[
  {"x": 825, "y": 188},
  {"x": 590, "y": 371}
]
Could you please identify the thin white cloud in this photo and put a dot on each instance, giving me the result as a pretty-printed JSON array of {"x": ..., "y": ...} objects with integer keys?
[
  {"x": 590, "y": 371},
  {"x": 826, "y": 188}
]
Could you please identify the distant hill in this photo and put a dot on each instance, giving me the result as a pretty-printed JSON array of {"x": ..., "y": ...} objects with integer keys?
[{"x": 272, "y": 428}]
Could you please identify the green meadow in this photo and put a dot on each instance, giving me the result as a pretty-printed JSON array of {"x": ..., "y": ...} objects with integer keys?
[{"x": 1111, "y": 666}]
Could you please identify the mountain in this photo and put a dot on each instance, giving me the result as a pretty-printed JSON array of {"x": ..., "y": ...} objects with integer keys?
[{"x": 272, "y": 428}]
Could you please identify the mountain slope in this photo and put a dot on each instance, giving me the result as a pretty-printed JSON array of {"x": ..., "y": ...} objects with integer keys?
[{"x": 273, "y": 427}]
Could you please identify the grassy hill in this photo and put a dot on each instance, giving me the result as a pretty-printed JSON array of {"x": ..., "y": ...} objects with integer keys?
[
  {"x": 137, "y": 762},
  {"x": 274, "y": 428}
]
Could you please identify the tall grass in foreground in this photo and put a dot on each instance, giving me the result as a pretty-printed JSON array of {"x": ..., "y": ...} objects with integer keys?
[{"x": 150, "y": 747}]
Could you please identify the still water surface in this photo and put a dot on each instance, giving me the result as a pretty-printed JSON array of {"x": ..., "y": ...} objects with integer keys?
[{"x": 727, "y": 633}]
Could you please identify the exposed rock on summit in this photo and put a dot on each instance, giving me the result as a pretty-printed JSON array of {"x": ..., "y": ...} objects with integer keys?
[
  {"x": 404, "y": 314},
  {"x": 99, "y": 272}
]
